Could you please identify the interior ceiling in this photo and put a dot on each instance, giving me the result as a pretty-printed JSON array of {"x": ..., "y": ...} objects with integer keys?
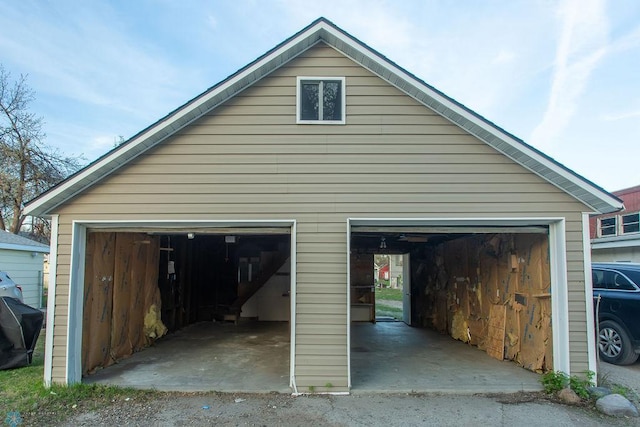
[
  {"x": 403, "y": 239},
  {"x": 398, "y": 242}
]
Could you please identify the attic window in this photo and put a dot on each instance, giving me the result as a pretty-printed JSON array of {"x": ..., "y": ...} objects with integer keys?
[{"x": 321, "y": 100}]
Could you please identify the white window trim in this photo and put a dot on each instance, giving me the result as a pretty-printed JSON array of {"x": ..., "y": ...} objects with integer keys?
[
  {"x": 300, "y": 79},
  {"x": 615, "y": 227},
  {"x": 618, "y": 227},
  {"x": 622, "y": 224}
]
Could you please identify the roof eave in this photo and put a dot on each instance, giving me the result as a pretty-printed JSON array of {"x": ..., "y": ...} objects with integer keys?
[
  {"x": 24, "y": 248},
  {"x": 594, "y": 197},
  {"x": 555, "y": 173},
  {"x": 175, "y": 121}
]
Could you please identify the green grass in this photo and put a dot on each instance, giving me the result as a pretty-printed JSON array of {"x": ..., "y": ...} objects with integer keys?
[
  {"x": 22, "y": 390},
  {"x": 383, "y": 310},
  {"x": 389, "y": 294}
]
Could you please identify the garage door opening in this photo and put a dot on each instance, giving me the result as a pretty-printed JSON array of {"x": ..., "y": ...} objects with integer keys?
[
  {"x": 206, "y": 309},
  {"x": 479, "y": 307}
]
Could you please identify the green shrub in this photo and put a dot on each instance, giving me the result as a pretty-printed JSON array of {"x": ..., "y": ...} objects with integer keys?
[{"x": 554, "y": 381}]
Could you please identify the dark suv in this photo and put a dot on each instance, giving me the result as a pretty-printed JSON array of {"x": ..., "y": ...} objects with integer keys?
[{"x": 618, "y": 286}]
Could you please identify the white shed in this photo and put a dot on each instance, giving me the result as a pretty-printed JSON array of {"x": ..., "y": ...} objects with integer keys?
[{"x": 23, "y": 260}]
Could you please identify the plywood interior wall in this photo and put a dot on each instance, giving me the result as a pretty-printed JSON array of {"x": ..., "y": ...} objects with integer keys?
[
  {"x": 463, "y": 283},
  {"x": 121, "y": 297},
  {"x": 362, "y": 288}
]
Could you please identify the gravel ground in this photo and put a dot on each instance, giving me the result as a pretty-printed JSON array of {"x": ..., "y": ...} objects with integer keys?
[
  {"x": 628, "y": 376},
  {"x": 355, "y": 410}
]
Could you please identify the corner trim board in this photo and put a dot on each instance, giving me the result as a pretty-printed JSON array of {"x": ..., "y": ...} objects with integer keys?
[
  {"x": 51, "y": 302},
  {"x": 588, "y": 290}
]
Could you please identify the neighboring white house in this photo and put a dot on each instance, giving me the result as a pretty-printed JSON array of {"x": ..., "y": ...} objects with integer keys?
[{"x": 23, "y": 260}]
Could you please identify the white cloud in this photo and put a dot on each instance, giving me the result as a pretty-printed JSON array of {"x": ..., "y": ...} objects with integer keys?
[
  {"x": 504, "y": 56},
  {"x": 93, "y": 59},
  {"x": 621, "y": 116},
  {"x": 212, "y": 21},
  {"x": 582, "y": 44}
]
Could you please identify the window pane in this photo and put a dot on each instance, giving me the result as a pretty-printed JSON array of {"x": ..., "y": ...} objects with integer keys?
[
  {"x": 608, "y": 226},
  {"x": 309, "y": 101},
  {"x": 332, "y": 100},
  {"x": 598, "y": 279},
  {"x": 630, "y": 223},
  {"x": 622, "y": 283},
  {"x": 633, "y": 275}
]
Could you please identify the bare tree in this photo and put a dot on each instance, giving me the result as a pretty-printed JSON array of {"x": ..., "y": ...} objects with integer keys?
[{"x": 27, "y": 165}]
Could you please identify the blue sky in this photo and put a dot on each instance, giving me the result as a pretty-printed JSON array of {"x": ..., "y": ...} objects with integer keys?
[{"x": 561, "y": 75}]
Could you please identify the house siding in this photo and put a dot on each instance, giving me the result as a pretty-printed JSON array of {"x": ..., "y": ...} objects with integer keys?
[
  {"x": 249, "y": 160},
  {"x": 26, "y": 271}
]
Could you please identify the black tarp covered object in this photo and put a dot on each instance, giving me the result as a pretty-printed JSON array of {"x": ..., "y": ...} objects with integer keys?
[{"x": 20, "y": 327}]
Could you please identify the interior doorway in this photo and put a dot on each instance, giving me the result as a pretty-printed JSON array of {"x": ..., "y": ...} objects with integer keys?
[{"x": 392, "y": 282}]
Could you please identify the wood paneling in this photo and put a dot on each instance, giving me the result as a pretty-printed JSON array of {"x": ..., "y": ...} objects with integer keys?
[{"x": 121, "y": 285}]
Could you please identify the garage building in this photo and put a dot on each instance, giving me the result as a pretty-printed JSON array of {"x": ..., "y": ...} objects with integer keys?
[{"x": 265, "y": 198}]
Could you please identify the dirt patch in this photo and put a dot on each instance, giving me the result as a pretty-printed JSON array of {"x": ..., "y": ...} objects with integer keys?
[{"x": 189, "y": 409}]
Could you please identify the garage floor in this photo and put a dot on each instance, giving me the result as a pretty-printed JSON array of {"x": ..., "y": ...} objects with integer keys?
[
  {"x": 249, "y": 357},
  {"x": 391, "y": 356},
  {"x": 254, "y": 357}
]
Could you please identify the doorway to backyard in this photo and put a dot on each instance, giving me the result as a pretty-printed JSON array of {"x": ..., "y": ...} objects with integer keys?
[{"x": 390, "y": 283}]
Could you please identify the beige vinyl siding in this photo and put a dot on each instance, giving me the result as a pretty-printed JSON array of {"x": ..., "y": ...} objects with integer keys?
[{"x": 249, "y": 160}]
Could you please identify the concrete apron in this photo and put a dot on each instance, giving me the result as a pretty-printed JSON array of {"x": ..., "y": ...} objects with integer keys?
[{"x": 254, "y": 357}]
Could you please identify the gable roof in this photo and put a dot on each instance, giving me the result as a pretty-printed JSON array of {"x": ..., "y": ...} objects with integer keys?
[
  {"x": 18, "y": 243},
  {"x": 323, "y": 30}
]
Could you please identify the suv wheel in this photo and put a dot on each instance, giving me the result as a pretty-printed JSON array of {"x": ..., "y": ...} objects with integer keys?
[{"x": 614, "y": 344}]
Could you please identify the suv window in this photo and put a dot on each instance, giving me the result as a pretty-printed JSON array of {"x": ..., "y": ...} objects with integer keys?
[
  {"x": 597, "y": 277},
  {"x": 609, "y": 279},
  {"x": 633, "y": 275}
]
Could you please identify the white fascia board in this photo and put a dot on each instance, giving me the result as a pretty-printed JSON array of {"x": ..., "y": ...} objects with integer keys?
[
  {"x": 24, "y": 248},
  {"x": 451, "y": 106}
]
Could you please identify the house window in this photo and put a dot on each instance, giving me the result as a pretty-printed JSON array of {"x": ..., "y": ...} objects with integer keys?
[
  {"x": 321, "y": 100},
  {"x": 607, "y": 226},
  {"x": 631, "y": 223}
]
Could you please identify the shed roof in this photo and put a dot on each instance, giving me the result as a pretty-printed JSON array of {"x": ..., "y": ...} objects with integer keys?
[
  {"x": 322, "y": 30},
  {"x": 18, "y": 243}
]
